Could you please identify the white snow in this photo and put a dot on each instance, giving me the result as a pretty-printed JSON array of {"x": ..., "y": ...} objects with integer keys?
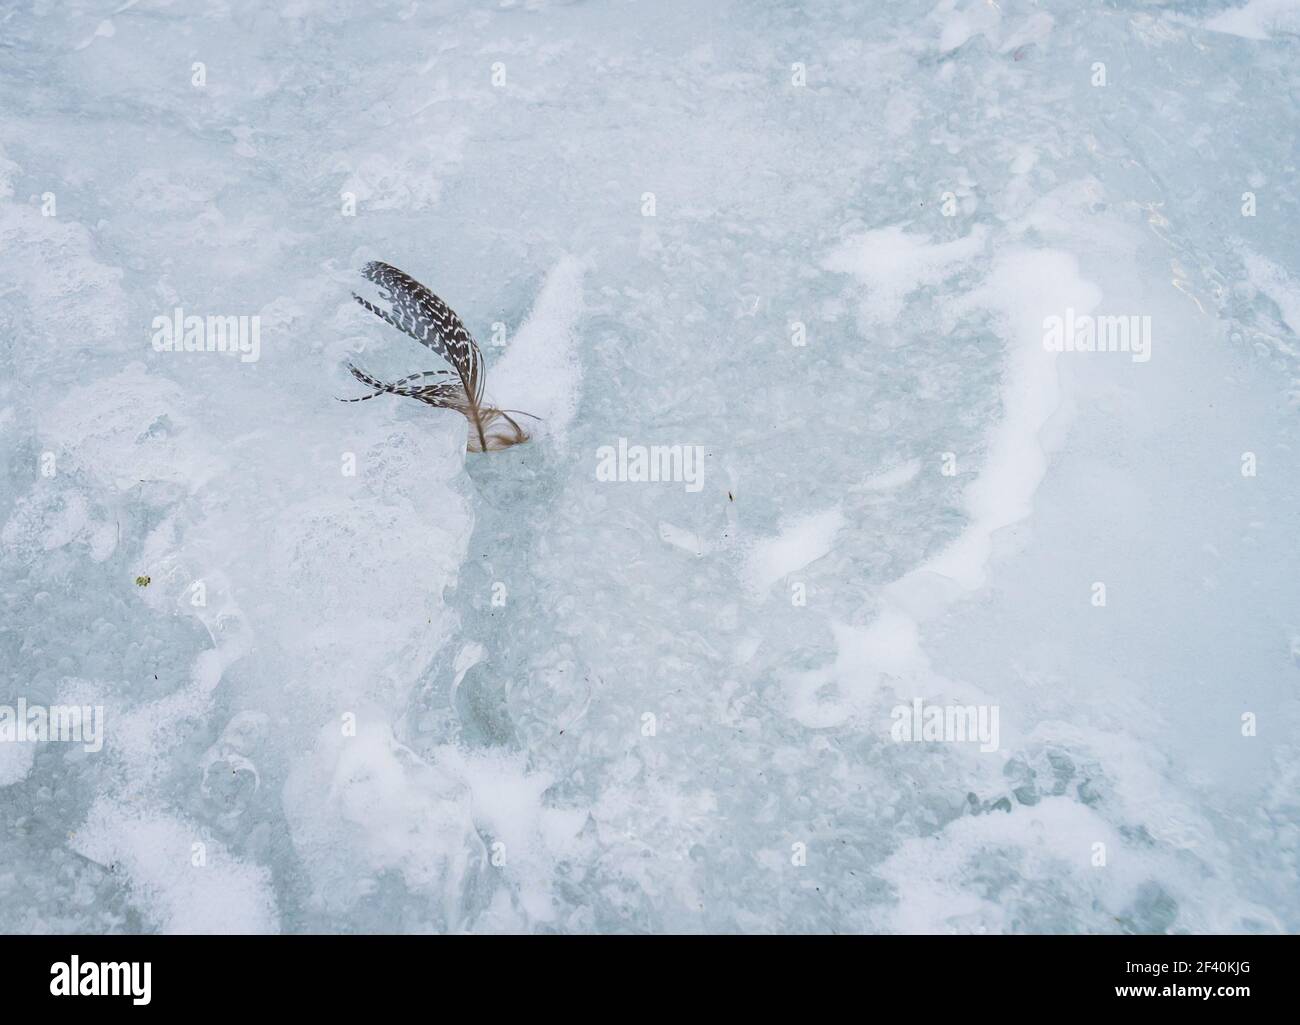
[
  {"x": 893, "y": 263},
  {"x": 1023, "y": 288},
  {"x": 540, "y": 372},
  {"x": 800, "y": 541},
  {"x": 183, "y": 880}
]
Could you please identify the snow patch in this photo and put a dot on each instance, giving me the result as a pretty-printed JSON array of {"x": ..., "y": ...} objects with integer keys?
[
  {"x": 893, "y": 264},
  {"x": 1259, "y": 19},
  {"x": 362, "y": 804},
  {"x": 540, "y": 373},
  {"x": 183, "y": 880},
  {"x": 799, "y": 543}
]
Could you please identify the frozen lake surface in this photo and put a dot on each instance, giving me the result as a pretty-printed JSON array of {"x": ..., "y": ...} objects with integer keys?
[{"x": 375, "y": 684}]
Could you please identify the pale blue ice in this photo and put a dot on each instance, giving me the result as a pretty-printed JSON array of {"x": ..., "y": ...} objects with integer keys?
[{"x": 375, "y": 684}]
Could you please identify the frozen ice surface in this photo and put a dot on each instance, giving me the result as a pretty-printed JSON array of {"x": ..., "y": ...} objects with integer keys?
[{"x": 373, "y": 684}]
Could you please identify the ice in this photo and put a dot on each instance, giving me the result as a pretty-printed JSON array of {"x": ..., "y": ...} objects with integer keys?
[
  {"x": 1258, "y": 19},
  {"x": 892, "y": 264},
  {"x": 356, "y": 680},
  {"x": 15, "y": 763},
  {"x": 800, "y": 542},
  {"x": 1276, "y": 284},
  {"x": 181, "y": 879},
  {"x": 540, "y": 373},
  {"x": 1022, "y": 286},
  {"x": 362, "y": 806}
]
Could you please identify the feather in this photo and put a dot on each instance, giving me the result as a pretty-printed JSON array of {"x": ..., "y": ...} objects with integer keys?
[{"x": 415, "y": 310}]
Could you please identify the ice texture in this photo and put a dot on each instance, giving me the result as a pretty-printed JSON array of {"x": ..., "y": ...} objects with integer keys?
[{"x": 356, "y": 680}]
